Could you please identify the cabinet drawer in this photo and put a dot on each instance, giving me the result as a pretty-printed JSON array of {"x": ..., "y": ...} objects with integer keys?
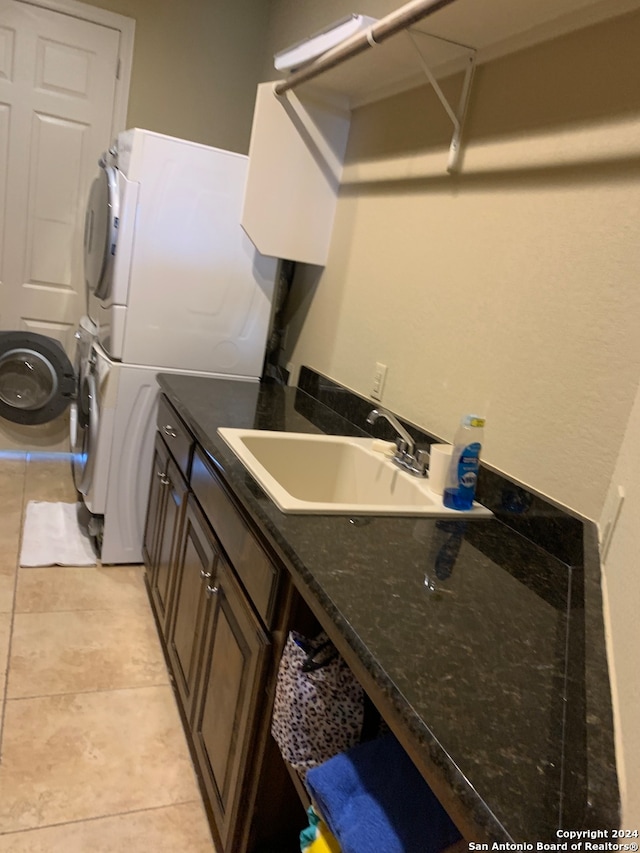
[
  {"x": 176, "y": 433},
  {"x": 254, "y": 568}
]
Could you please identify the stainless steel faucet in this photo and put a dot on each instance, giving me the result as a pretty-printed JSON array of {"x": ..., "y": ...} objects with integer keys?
[
  {"x": 406, "y": 456},
  {"x": 409, "y": 444}
]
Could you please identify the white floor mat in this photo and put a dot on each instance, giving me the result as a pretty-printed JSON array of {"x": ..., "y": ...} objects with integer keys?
[{"x": 52, "y": 536}]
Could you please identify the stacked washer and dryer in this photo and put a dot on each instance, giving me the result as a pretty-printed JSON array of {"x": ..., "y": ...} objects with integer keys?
[{"x": 174, "y": 286}]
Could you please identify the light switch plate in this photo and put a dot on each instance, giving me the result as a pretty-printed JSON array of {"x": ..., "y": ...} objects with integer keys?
[
  {"x": 379, "y": 377},
  {"x": 615, "y": 507}
]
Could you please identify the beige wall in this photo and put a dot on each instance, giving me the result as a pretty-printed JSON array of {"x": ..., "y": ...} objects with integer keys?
[
  {"x": 511, "y": 289},
  {"x": 195, "y": 67},
  {"x": 622, "y": 586}
]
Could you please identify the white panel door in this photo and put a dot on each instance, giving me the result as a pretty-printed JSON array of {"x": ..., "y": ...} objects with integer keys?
[{"x": 57, "y": 91}]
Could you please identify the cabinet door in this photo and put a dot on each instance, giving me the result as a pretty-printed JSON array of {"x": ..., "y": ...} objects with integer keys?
[
  {"x": 157, "y": 494},
  {"x": 195, "y": 566},
  {"x": 228, "y": 706},
  {"x": 296, "y": 154},
  {"x": 167, "y": 540}
]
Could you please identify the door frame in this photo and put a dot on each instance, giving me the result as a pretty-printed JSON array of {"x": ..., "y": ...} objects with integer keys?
[{"x": 125, "y": 26}]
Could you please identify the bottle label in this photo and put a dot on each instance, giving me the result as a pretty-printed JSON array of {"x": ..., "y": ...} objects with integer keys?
[
  {"x": 473, "y": 421},
  {"x": 468, "y": 464}
]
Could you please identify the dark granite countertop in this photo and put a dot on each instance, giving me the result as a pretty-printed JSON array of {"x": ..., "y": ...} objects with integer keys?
[{"x": 496, "y": 683}]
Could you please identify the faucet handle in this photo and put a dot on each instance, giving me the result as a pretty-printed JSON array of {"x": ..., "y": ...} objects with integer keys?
[
  {"x": 401, "y": 447},
  {"x": 421, "y": 462}
]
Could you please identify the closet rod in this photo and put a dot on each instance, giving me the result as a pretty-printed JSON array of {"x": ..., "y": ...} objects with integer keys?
[{"x": 386, "y": 27}]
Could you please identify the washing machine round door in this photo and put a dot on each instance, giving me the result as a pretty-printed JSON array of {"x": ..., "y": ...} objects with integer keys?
[
  {"x": 85, "y": 421},
  {"x": 37, "y": 381},
  {"x": 101, "y": 231}
]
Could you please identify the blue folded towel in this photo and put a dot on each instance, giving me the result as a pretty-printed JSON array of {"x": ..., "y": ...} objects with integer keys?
[{"x": 374, "y": 800}]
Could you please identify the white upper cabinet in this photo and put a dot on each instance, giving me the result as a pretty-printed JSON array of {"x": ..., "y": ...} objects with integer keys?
[{"x": 295, "y": 164}]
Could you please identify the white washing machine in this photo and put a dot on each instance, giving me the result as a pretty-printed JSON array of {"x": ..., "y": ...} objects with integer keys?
[
  {"x": 84, "y": 421},
  {"x": 172, "y": 279},
  {"x": 121, "y": 457}
]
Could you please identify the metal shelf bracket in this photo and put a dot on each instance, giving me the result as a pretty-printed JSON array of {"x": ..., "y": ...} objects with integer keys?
[{"x": 457, "y": 116}]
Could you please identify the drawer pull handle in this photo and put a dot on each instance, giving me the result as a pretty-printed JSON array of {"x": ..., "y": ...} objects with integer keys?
[
  {"x": 205, "y": 575},
  {"x": 170, "y": 431},
  {"x": 212, "y": 590}
]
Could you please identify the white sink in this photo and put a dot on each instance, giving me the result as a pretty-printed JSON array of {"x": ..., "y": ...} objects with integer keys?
[{"x": 322, "y": 474}]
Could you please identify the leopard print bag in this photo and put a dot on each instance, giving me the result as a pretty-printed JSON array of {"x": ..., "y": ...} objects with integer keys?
[{"x": 319, "y": 705}]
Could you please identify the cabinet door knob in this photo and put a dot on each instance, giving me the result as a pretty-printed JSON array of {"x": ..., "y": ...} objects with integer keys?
[
  {"x": 212, "y": 590},
  {"x": 167, "y": 429},
  {"x": 205, "y": 575},
  {"x": 163, "y": 478}
]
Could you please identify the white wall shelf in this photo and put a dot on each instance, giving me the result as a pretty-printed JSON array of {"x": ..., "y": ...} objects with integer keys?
[{"x": 380, "y": 60}]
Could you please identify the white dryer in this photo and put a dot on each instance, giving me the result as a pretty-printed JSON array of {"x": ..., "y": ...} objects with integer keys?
[{"x": 172, "y": 279}]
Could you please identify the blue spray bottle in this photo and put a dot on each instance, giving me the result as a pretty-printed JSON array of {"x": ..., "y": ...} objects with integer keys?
[{"x": 462, "y": 478}]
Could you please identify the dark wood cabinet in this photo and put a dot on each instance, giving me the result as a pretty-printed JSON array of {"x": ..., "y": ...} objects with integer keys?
[
  {"x": 228, "y": 704},
  {"x": 194, "y": 578},
  {"x": 155, "y": 507},
  {"x": 168, "y": 540},
  {"x": 221, "y": 602},
  {"x": 164, "y": 518},
  {"x": 257, "y": 572},
  {"x": 218, "y": 650}
]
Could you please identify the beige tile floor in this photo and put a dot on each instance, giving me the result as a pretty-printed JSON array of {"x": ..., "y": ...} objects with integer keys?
[{"x": 93, "y": 756}]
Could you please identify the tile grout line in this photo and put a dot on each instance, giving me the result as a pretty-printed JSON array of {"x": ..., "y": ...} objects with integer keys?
[
  {"x": 100, "y": 817},
  {"x": 3, "y": 710},
  {"x": 90, "y": 691}
]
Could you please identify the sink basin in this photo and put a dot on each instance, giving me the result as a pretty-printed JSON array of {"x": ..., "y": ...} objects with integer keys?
[{"x": 305, "y": 473}]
